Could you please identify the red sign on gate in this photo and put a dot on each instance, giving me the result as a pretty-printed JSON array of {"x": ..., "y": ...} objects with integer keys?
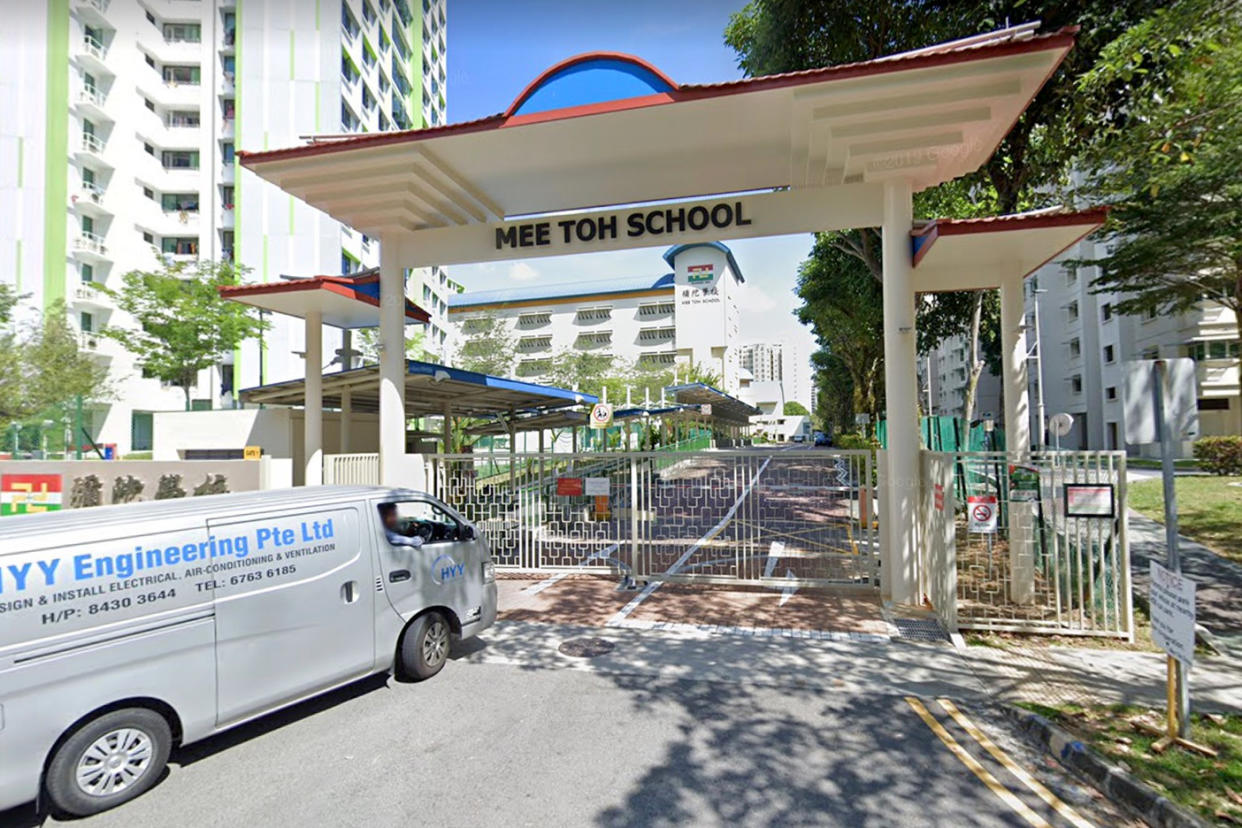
[{"x": 569, "y": 486}]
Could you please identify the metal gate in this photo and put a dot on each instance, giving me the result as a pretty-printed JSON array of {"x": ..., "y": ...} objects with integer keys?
[
  {"x": 1028, "y": 542},
  {"x": 744, "y": 516}
]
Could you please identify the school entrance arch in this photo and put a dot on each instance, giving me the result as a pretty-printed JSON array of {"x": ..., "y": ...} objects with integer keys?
[{"x": 605, "y": 152}]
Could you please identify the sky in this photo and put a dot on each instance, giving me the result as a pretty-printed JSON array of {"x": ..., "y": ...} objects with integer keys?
[{"x": 497, "y": 47}]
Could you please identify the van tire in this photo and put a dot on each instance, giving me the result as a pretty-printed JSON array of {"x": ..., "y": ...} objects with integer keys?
[
  {"x": 144, "y": 739},
  {"x": 425, "y": 646}
]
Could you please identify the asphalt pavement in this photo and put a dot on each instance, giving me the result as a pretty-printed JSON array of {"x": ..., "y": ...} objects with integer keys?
[{"x": 667, "y": 729}]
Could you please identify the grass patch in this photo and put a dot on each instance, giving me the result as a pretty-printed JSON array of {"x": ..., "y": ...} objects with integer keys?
[
  {"x": 1209, "y": 510},
  {"x": 1210, "y": 786},
  {"x": 1154, "y": 463}
]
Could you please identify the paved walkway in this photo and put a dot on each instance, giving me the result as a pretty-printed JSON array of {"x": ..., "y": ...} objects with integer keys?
[{"x": 1219, "y": 580}]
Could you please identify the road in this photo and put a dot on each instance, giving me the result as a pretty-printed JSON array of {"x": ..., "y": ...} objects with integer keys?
[{"x": 513, "y": 733}]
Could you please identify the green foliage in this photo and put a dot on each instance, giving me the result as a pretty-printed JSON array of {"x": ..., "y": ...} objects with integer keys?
[
  {"x": 793, "y": 408},
  {"x": 490, "y": 347},
  {"x": 1220, "y": 455},
  {"x": 41, "y": 368},
  {"x": 1170, "y": 166},
  {"x": 182, "y": 326},
  {"x": 849, "y": 441}
]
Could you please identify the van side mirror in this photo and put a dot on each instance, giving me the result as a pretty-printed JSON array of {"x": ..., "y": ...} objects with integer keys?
[{"x": 468, "y": 533}]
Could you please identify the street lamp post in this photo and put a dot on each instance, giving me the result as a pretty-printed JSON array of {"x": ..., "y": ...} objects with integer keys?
[{"x": 1039, "y": 369}]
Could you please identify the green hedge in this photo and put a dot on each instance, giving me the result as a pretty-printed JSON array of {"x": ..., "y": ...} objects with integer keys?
[{"x": 1220, "y": 455}]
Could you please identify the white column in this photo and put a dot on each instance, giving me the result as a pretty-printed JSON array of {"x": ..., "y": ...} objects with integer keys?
[
  {"x": 1022, "y": 514},
  {"x": 901, "y": 389},
  {"x": 392, "y": 365},
  {"x": 347, "y": 396},
  {"x": 1013, "y": 366},
  {"x": 347, "y": 419},
  {"x": 312, "y": 423}
]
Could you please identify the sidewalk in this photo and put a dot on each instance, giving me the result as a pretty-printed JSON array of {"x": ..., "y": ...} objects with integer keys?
[{"x": 1219, "y": 580}]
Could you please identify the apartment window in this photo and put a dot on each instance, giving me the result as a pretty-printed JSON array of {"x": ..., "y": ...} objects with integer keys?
[
  {"x": 1110, "y": 353},
  {"x": 1215, "y": 349},
  {"x": 149, "y": 104},
  {"x": 1071, "y": 276},
  {"x": 88, "y": 81},
  {"x": 349, "y": 22},
  {"x": 182, "y": 118},
  {"x": 88, "y": 178},
  {"x": 182, "y": 32},
  {"x": 230, "y": 28},
  {"x": 149, "y": 149},
  {"x": 180, "y": 159},
  {"x": 180, "y": 202},
  {"x": 1213, "y": 403},
  {"x": 86, "y": 321},
  {"x": 151, "y": 19},
  {"x": 148, "y": 238},
  {"x": 1106, "y": 311},
  {"x": 150, "y": 60},
  {"x": 229, "y": 64},
  {"x": 86, "y": 273},
  {"x": 226, "y": 195},
  {"x": 180, "y": 245},
  {"x": 1071, "y": 311},
  {"x": 226, "y": 150},
  {"x": 1076, "y": 383},
  {"x": 149, "y": 193},
  {"x": 368, "y": 12},
  {"x": 1151, "y": 353},
  {"x": 88, "y": 224},
  {"x": 226, "y": 244},
  {"x": 1111, "y": 392},
  {"x": 1075, "y": 348},
  {"x": 182, "y": 74},
  {"x": 1149, "y": 314},
  {"x": 229, "y": 106},
  {"x": 368, "y": 54}
]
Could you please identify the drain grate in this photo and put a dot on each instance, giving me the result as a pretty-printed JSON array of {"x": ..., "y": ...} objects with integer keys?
[
  {"x": 586, "y": 647},
  {"x": 921, "y": 629}
]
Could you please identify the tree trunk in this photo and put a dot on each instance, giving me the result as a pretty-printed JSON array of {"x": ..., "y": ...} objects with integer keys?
[{"x": 976, "y": 368}]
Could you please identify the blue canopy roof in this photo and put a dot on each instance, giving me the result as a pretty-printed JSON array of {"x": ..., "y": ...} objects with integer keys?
[{"x": 428, "y": 389}]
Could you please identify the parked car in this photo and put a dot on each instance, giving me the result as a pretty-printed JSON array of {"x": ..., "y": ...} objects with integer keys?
[
  {"x": 822, "y": 439},
  {"x": 128, "y": 627}
]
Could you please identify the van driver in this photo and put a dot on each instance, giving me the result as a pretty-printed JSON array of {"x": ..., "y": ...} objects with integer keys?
[{"x": 392, "y": 529}]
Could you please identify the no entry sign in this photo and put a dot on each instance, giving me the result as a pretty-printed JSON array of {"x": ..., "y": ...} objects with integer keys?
[{"x": 981, "y": 511}]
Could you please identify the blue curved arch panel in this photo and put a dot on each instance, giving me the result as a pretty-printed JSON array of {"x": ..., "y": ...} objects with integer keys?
[{"x": 591, "y": 82}]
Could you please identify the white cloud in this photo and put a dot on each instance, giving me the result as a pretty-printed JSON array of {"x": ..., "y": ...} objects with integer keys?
[{"x": 522, "y": 272}]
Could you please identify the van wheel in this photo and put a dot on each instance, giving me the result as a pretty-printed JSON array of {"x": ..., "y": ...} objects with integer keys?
[
  {"x": 425, "y": 646},
  {"x": 109, "y": 760}
]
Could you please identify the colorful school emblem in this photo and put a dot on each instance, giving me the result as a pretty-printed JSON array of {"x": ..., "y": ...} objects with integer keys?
[
  {"x": 699, "y": 273},
  {"x": 23, "y": 494}
]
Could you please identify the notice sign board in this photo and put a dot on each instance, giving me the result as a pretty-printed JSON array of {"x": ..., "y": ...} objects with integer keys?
[
  {"x": 981, "y": 512},
  {"x": 601, "y": 415},
  {"x": 1023, "y": 483},
  {"x": 595, "y": 486},
  {"x": 1173, "y": 613},
  {"x": 569, "y": 486},
  {"x": 1089, "y": 500}
]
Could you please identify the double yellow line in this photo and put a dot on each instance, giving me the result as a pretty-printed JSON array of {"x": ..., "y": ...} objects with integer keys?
[{"x": 985, "y": 776}]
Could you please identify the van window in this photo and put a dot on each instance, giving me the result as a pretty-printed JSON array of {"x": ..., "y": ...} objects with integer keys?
[{"x": 419, "y": 518}]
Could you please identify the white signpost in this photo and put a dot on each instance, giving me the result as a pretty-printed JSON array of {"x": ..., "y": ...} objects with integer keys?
[
  {"x": 1173, "y": 613},
  {"x": 595, "y": 486}
]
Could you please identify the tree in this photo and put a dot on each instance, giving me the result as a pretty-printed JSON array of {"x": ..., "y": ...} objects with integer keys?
[
  {"x": 772, "y": 36},
  {"x": 1169, "y": 164},
  {"x": 490, "y": 346},
  {"x": 182, "y": 326},
  {"x": 793, "y": 408}
]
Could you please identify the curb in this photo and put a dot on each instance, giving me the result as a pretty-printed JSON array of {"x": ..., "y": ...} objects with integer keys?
[{"x": 1120, "y": 787}]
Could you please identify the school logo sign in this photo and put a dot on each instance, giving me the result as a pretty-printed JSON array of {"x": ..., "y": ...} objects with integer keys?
[
  {"x": 697, "y": 274},
  {"x": 24, "y": 494}
]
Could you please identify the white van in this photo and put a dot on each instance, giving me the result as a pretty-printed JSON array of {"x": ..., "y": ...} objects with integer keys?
[{"x": 127, "y": 630}]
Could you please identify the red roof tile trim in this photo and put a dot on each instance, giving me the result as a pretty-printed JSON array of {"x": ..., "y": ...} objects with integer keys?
[
  {"x": 1089, "y": 220},
  {"x": 340, "y": 285},
  {"x": 1062, "y": 39}
]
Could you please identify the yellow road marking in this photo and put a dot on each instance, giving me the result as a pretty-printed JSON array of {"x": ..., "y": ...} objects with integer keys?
[
  {"x": 1003, "y": 793},
  {"x": 1031, "y": 782}
]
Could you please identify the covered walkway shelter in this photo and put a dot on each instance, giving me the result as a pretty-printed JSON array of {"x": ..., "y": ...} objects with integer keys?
[{"x": 605, "y": 152}]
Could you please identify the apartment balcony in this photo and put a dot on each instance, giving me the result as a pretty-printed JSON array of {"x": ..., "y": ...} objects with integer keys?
[
  {"x": 92, "y": 56},
  {"x": 93, "y": 11},
  {"x": 228, "y": 127},
  {"x": 1218, "y": 374},
  {"x": 88, "y": 296},
  {"x": 90, "y": 246},
  {"x": 178, "y": 223},
  {"x": 228, "y": 83},
  {"x": 229, "y": 43},
  {"x": 177, "y": 52},
  {"x": 227, "y": 215},
  {"x": 89, "y": 200},
  {"x": 97, "y": 346},
  {"x": 176, "y": 95},
  {"x": 90, "y": 101},
  {"x": 227, "y": 173}
]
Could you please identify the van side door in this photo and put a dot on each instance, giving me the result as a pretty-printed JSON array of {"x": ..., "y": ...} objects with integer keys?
[
  {"x": 294, "y": 611},
  {"x": 428, "y": 557}
]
